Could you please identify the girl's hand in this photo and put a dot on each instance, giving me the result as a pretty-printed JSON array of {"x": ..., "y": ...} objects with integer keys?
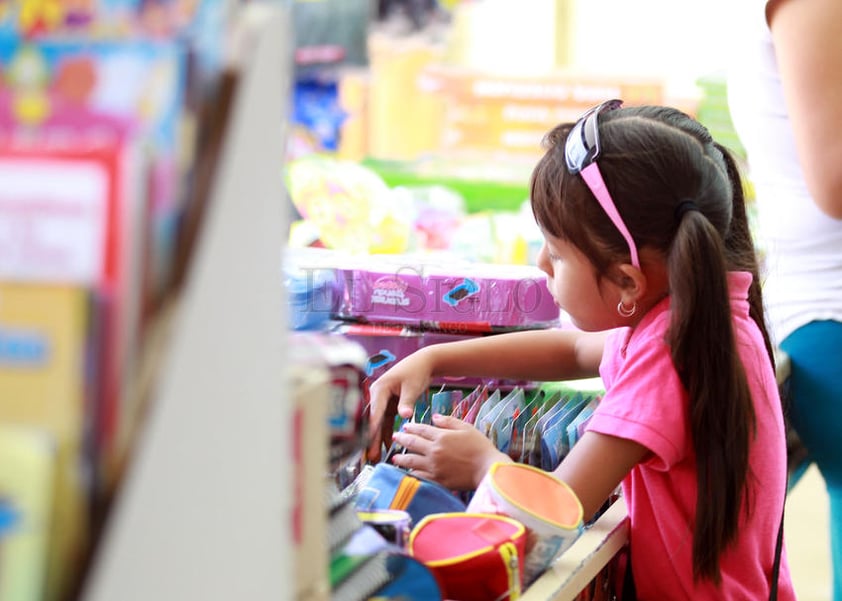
[
  {"x": 404, "y": 382},
  {"x": 451, "y": 452}
]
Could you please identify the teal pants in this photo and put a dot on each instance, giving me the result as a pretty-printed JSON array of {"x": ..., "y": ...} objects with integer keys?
[{"x": 815, "y": 353}]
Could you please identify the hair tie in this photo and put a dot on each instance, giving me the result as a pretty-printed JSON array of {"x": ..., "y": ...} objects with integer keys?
[{"x": 683, "y": 207}]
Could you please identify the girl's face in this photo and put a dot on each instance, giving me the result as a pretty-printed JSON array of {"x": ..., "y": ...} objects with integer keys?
[{"x": 572, "y": 281}]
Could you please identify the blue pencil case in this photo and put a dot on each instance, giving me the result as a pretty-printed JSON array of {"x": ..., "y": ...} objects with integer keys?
[{"x": 391, "y": 487}]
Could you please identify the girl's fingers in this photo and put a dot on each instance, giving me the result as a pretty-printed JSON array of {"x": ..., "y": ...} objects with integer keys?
[
  {"x": 412, "y": 442},
  {"x": 406, "y": 404},
  {"x": 417, "y": 464},
  {"x": 423, "y": 430},
  {"x": 449, "y": 422}
]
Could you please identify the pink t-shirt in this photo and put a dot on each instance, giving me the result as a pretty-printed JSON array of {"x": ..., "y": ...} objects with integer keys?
[{"x": 645, "y": 402}]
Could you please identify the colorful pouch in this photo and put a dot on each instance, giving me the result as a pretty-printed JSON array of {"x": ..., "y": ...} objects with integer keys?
[
  {"x": 550, "y": 510},
  {"x": 391, "y": 487},
  {"x": 474, "y": 556}
]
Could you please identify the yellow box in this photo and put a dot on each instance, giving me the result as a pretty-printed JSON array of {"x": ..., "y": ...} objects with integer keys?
[{"x": 43, "y": 346}]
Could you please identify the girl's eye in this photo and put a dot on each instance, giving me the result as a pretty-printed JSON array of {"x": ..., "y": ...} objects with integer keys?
[{"x": 552, "y": 256}]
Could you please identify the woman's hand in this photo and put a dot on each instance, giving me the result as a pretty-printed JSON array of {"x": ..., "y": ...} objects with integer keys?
[
  {"x": 404, "y": 383},
  {"x": 451, "y": 452}
]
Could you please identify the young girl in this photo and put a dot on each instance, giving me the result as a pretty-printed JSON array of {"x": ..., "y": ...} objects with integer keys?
[{"x": 647, "y": 249}]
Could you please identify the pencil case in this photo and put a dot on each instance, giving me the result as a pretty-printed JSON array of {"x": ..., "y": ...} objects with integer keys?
[
  {"x": 546, "y": 506},
  {"x": 391, "y": 487},
  {"x": 474, "y": 556}
]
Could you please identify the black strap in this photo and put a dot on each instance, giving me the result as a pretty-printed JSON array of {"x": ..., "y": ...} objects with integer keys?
[
  {"x": 776, "y": 567},
  {"x": 629, "y": 590}
]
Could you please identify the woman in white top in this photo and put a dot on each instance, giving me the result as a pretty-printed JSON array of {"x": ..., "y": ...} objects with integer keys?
[{"x": 785, "y": 94}]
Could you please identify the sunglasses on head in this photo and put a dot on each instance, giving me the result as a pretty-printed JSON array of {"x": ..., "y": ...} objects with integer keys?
[{"x": 580, "y": 153}]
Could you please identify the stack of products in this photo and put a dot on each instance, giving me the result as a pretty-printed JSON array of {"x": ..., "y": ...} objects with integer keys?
[
  {"x": 394, "y": 304},
  {"x": 341, "y": 553},
  {"x": 368, "y": 556},
  {"x": 518, "y": 522}
]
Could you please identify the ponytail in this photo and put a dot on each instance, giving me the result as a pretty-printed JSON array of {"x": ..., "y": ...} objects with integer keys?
[
  {"x": 703, "y": 346},
  {"x": 701, "y": 338},
  {"x": 742, "y": 251}
]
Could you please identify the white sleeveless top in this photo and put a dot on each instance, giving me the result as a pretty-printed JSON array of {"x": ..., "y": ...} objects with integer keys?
[{"x": 803, "y": 246}]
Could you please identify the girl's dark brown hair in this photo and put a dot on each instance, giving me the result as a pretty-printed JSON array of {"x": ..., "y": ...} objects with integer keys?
[{"x": 652, "y": 160}]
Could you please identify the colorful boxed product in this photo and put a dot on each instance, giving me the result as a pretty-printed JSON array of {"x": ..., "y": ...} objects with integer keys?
[
  {"x": 428, "y": 292},
  {"x": 465, "y": 298},
  {"x": 386, "y": 344},
  {"x": 79, "y": 214},
  {"x": 44, "y": 386},
  {"x": 79, "y": 94}
]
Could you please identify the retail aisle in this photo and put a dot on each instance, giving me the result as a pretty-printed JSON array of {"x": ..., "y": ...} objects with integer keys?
[{"x": 806, "y": 530}]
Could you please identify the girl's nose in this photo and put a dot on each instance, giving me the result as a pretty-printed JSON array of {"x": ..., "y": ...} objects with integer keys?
[{"x": 543, "y": 261}]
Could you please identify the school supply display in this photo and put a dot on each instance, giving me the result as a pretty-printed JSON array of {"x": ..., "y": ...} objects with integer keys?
[
  {"x": 546, "y": 506},
  {"x": 474, "y": 556},
  {"x": 89, "y": 145}
]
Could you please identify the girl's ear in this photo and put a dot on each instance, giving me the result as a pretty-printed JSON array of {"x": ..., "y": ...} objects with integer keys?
[{"x": 632, "y": 282}]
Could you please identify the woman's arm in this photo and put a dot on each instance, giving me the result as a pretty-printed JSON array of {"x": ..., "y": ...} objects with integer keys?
[{"x": 807, "y": 35}]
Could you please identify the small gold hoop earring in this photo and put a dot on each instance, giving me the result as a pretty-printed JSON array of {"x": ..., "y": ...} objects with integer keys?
[{"x": 626, "y": 311}]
